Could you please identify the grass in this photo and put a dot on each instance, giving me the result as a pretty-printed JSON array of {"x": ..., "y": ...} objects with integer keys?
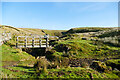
[
  {"x": 84, "y": 49},
  {"x": 86, "y": 29},
  {"x": 16, "y": 72},
  {"x": 19, "y": 64},
  {"x": 13, "y": 54},
  {"x": 110, "y": 34},
  {"x": 75, "y": 72},
  {"x": 24, "y": 70},
  {"x": 29, "y": 31},
  {"x": 16, "y": 57},
  {"x": 70, "y": 72}
]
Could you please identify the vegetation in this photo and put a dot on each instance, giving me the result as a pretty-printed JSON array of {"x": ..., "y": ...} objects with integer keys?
[
  {"x": 74, "y": 55},
  {"x": 29, "y": 31},
  {"x": 85, "y": 48},
  {"x": 86, "y": 29}
]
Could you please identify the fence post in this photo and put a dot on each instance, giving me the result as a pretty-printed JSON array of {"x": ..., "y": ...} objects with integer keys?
[
  {"x": 33, "y": 42},
  {"x": 16, "y": 41}
]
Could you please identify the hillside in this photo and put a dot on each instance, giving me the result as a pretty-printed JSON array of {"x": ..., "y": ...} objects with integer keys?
[
  {"x": 86, "y": 29},
  {"x": 29, "y": 31},
  {"x": 78, "y": 53}
]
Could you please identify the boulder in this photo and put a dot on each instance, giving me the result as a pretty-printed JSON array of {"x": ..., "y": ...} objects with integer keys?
[
  {"x": 41, "y": 64},
  {"x": 84, "y": 38},
  {"x": 99, "y": 66},
  {"x": 114, "y": 63}
]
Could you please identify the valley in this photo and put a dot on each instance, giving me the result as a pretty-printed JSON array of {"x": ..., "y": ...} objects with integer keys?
[{"x": 85, "y": 52}]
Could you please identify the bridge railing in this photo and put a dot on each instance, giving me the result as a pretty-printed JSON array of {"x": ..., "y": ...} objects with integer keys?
[{"x": 31, "y": 41}]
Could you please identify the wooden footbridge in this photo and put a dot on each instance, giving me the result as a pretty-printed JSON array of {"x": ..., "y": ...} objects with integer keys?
[{"x": 33, "y": 41}]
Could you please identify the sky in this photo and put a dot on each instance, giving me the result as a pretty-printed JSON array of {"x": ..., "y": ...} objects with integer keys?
[
  {"x": 60, "y": 0},
  {"x": 59, "y": 15}
]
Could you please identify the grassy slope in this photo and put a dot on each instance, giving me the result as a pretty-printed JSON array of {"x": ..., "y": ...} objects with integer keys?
[
  {"x": 86, "y": 49},
  {"x": 76, "y": 72},
  {"x": 86, "y": 29},
  {"x": 77, "y": 48},
  {"x": 14, "y": 57},
  {"x": 28, "y": 31},
  {"x": 24, "y": 70},
  {"x": 39, "y": 32}
]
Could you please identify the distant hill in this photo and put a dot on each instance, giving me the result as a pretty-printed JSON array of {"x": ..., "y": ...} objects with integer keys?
[
  {"x": 29, "y": 31},
  {"x": 86, "y": 29}
]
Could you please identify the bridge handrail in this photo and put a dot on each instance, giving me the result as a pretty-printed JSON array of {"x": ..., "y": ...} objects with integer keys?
[{"x": 25, "y": 39}]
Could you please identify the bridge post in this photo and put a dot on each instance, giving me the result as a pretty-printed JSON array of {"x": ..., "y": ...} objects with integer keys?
[
  {"x": 16, "y": 41},
  {"x": 40, "y": 39},
  {"x": 25, "y": 41},
  {"x": 46, "y": 41},
  {"x": 33, "y": 41}
]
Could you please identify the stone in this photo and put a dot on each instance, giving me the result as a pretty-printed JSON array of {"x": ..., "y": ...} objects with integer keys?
[
  {"x": 99, "y": 66},
  {"x": 84, "y": 38}
]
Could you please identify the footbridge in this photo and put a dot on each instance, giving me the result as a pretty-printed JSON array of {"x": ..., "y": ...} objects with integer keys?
[{"x": 33, "y": 41}]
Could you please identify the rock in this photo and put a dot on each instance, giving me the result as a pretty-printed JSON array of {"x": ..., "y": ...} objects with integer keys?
[
  {"x": 84, "y": 38},
  {"x": 84, "y": 64},
  {"x": 98, "y": 65},
  {"x": 22, "y": 60},
  {"x": 42, "y": 63},
  {"x": 114, "y": 63},
  {"x": 38, "y": 57},
  {"x": 116, "y": 69}
]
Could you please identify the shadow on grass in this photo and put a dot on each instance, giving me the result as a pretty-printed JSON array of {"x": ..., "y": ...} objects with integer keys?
[
  {"x": 29, "y": 71},
  {"x": 26, "y": 67}
]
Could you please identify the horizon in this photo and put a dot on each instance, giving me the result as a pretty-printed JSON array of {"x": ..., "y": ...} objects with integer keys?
[
  {"x": 60, "y": 15},
  {"x": 62, "y": 29}
]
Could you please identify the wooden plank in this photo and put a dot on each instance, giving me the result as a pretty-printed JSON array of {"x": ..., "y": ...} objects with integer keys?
[
  {"x": 43, "y": 40},
  {"x": 21, "y": 43},
  {"x": 21, "y": 36},
  {"x": 32, "y": 46},
  {"x": 36, "y": 40},
  {"x": 21, "y": 40},
  {"x": 29, "y": 40},
  {"x": 43, "y": 43},
  {"x": 36, "y": 43},
  {"x": 29, "y": 43}
]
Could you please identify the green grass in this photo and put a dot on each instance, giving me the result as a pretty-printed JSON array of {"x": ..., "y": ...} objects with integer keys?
[
  {"x": 13, "y": 54},
  {"x": 70, "y": 72},
  {"x": 86, "y": 29},
  {"x": 110, "y": 34},
  {"x": 116, "y": 61},
  {"x": 84, "y": 49},
  {"x": 17, "y": 72},
  {"x": 69, "y": 47},
  {"x": 75, "y": 72}
]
